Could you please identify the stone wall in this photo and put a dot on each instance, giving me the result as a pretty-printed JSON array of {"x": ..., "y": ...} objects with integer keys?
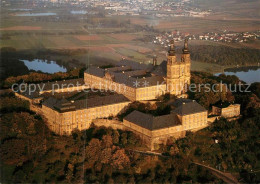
[
  {"x": 227, "y": 112},
  {"x": 81, "y": 119},
  {"x": 115, "y": 124},
  {"x": 107, "y": 84},
  {"x": 133, "y": 94},
  {"x": 159, "y": 136}
]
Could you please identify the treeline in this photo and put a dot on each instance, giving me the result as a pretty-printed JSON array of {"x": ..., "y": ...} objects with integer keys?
[
  {"x": 108, "y": 23},
  {"x": 30, "y": 153},
  {"x": 36, "y": 77},
  {"x": 126, "y": 25},
  {"x": 225, "y": 55},
  {"x": 231, "y": 83},
  {"x": 12, "y": 67},
  {"x": 209, "y": 97}
]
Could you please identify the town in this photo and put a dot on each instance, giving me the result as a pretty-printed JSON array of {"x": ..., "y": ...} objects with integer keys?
[
  {"x": 179, "y": 8},
  {"x": 221, "y": 36}
]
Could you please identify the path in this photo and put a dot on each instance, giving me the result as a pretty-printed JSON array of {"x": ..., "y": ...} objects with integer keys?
[{"x": 227, "y": 177}]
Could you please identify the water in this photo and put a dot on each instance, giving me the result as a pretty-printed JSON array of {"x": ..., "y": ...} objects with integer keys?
[
  {"x": 249, "y": 74},
  {"x": 44, "y": 66},
  {"x": 79, "y": 12},
  {"x": 20, "y": 9},
  {"x": 34, "y": 14}
]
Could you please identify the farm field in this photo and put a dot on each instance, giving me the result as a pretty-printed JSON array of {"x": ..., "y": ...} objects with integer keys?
[
  {"x": 195, "y": 25},
  {"x": 110, "y": 44},
  {"x": 103, "y": 49}
]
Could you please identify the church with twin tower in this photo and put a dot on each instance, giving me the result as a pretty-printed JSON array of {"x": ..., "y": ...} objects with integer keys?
[
  {"x": 138, "y": 81},
  {"x": 178, "y": 72}
]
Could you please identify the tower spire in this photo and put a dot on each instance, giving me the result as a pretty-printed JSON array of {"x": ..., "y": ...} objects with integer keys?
[
  {"x": 185, "y": 49},
  {"x": 154, "y": 60},
  {"x": 171, "y": 51}
]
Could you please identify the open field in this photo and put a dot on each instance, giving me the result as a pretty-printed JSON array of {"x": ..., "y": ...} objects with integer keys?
[
  {"x": 21, "y": 28},
  {"x": 104, "y": 49},
  {"x": 217, "y": 21},
  {"x": 123, "y": 37},
  {"x": 88, "y": 37},
  {"x": 199, "y": 25},
  {"x": 231, "y": 9},
  {"x": 110, "y": 44}
]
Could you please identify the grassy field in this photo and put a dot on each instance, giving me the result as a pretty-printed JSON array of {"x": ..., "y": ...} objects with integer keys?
[{"x": 200, "y": 25}]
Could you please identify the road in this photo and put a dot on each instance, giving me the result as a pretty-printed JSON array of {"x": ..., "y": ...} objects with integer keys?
[
  {"x": 226, "y": 177},
  {"x": 147, "y": 152}
]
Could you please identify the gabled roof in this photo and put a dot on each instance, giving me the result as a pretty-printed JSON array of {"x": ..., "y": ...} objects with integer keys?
[
  {"x": 30, "y": 94},
  {"x": 62, "y": 84},
  {"x": 47, "y": 86},
  {"x": 161, "y": 69},
  {"x": 64, "y": 105},
  {"x": 119, "y": 68},
  {"x": 188, "y": 107},
  {"x": 128, "y": 72},
  {"x": 135, "y": 72},
  {"x": 151, "y": 122},
  {"x": 100, "y": 101},
  {"x": 95, "y": 71},
  {"x": 141, "y": 119},
  {"x": 221, "y": 104},
  {"x": 178, "y": 102}
]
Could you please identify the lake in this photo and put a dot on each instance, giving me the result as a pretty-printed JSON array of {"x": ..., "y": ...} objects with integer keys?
[
  {"x": 247, "y": 74},
  {"x": 34, "y": 14},
  {"x": 20, "y": 9},
  {"x": 44, "y": 66},
  {"x": 78, "y": 12}
]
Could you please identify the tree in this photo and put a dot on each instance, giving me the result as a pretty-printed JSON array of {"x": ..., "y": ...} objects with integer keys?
[
  {"x": 120, "y": 159},
  {"x": 115, "y": 137}
]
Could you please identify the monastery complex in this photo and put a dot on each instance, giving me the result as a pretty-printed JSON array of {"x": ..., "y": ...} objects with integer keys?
[{"x": 130, "y": 81}]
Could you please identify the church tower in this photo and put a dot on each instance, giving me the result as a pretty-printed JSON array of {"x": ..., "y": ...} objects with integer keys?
[{"x": 178, "y": 72}]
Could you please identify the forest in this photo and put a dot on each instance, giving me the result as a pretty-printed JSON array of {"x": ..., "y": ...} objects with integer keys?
[
  {"x": 31, "y": 153},
  {"x": 224, "y": 55}
]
